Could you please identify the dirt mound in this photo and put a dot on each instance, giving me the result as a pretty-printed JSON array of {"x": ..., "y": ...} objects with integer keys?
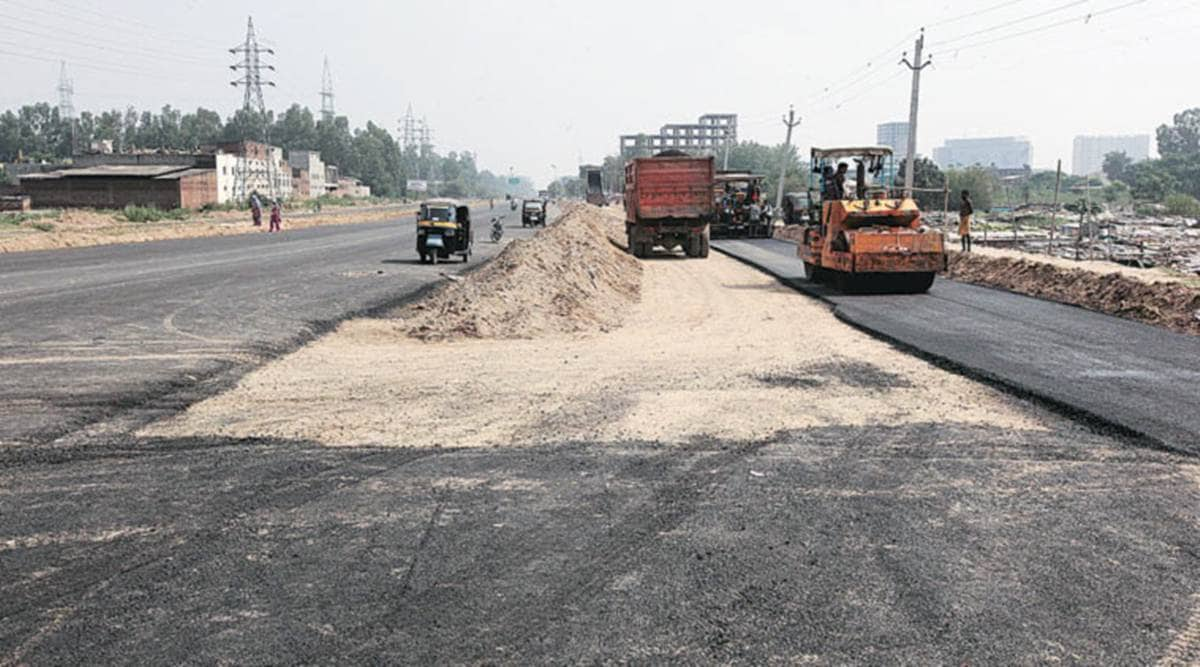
[
  {"x": 1171, "y": 305},
  {"x": 568, "y": 278},
  {"x": 794, "y": 233}
]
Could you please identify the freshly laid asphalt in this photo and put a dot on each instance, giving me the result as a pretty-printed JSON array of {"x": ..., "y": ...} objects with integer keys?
[
  {"x": 1143, "y": 380},
  {"x": 923, "y": 543},
  {"x": 96, "y": 339}
]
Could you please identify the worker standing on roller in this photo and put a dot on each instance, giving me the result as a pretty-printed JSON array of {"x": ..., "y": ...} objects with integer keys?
[{"x": 965, "y": 210}]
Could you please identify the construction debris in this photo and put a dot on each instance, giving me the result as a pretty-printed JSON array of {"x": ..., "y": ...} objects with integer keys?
[
  {"x": 569, "y": 278},
  {"x": 1170, "y": 304}
]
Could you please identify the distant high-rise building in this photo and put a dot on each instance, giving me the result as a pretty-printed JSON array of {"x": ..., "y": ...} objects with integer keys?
[
  {"x": 894, "y": 135},
  {"x": 707, "y": 136},
  {"x": 1088, "y": 158},
  {"x": 998, "y": 152}
]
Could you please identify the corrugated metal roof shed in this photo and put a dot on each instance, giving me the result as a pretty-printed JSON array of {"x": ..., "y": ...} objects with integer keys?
[{"x": 117, "y": 170}]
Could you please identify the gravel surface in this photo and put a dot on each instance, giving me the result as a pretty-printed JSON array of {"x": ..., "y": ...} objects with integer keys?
[{"x": 688, "y": 364}]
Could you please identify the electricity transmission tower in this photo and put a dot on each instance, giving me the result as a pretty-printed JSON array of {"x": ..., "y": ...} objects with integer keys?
[
  {"x": 252, "y": 80},
  {"x": 327, "y": 110},
  {"x": 408, "y": 130},
  {"x": 66, "y": 101}
]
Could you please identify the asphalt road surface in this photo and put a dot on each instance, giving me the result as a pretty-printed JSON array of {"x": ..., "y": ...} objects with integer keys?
[
  {"x": 100, "y": 339},
  {"x": 1140, "y": 378},
  {"x": 925, "y": 543}
]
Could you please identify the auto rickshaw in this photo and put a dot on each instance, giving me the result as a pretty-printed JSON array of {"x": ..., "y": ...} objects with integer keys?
[{"x": 444, "y": 230}]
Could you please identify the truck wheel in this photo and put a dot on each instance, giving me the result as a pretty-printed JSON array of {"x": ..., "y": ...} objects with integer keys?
[{"x": 704, "y": 246}]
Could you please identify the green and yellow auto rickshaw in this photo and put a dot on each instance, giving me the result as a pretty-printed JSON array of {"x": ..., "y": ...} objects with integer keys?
[{"x": 444, "y": 230}]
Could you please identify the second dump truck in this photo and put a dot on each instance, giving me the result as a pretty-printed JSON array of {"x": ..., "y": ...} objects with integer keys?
[
  {"x": 669, "y": 203},
  {"x": 593, "y": 182}
]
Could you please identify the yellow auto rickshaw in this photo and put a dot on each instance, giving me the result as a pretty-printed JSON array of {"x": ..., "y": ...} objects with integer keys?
[{"x": 444, "y": 230}]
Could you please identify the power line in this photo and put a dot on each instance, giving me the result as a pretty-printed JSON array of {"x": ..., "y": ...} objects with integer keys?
[
  {"x": 92, "y": 38},
  {"x": 1008, "y": 24},
  {"x": 1086, "y": 18},
  {"x": 58, "y": 38},
  {"x": 123, "y": 23},
  {"x": 970, "y": 15},
  {"x": 57, "y": 56}
]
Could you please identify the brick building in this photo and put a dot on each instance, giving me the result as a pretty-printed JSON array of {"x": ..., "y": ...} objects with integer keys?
[{"x": 118, "y": 186}]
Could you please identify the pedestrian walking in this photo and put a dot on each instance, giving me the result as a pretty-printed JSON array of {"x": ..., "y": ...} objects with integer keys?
[
  {"x": 965, "y": 210},
  {"x": 256, "y": 209},
  {"x": 276, "y": 217}
]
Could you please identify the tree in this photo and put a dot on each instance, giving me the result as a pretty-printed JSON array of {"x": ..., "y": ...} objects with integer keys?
[
  {"x": 1182, "y": 138},
  {"x": 1117, "y": 167},
  {"x": 979, "y": 181},
  {"x": 1151, "y": 181},
  {"x": 202, "y": 128},
  {"x": 296, "y": 129},
  {"x": 926, "y": 175}
]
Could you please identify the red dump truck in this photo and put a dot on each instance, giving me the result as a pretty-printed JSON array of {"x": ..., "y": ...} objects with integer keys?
[{"x": 668, "y": 203}]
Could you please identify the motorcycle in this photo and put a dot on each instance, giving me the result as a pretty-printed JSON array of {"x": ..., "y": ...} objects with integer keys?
[{"x": 497, "y": 230}]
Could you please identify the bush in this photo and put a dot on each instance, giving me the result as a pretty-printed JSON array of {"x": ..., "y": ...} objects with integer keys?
[
  {"x": 1183, "y": 205},
  {"x": 43, "y": 226},
  {"x": 152, "y": 214},
  {"x": 227, "y": 206}
]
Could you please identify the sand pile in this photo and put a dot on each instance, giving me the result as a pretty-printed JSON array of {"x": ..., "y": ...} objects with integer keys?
[
  {"x": 568, "y": 278},
  {"x": 1172, "y": 305}
]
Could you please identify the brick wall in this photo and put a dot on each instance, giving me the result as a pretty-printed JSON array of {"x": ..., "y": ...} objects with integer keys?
[
  {"x": 103, "y": 192},
  {"x": 197, "y": 189}
]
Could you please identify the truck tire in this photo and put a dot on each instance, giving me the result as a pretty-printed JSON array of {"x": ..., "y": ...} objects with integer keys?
[
  {"x": 704, "y": 246},
  {"x": 692, "y": 247}
]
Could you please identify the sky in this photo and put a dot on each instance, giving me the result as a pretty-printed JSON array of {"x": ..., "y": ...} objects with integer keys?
[{"x": 538, "y": 86}]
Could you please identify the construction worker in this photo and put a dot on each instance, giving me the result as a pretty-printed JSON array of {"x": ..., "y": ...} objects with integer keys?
[
  {"x": 839, "y": 181},
  {"x": 965, "y": 210},
  {"x": 276, "y": 217}
]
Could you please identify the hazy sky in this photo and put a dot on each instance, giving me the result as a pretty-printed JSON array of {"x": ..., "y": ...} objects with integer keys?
[{"x": 529, "y": 84}]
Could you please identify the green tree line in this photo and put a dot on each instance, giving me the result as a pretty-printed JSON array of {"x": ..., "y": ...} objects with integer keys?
[{"x": 37, "y": 133}]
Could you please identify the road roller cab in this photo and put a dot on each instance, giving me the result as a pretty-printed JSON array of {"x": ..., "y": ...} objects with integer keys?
[{"x": 861, "y": 236}]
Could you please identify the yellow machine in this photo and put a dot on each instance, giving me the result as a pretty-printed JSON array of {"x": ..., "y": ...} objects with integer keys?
[{"x": 859, "y": 236}]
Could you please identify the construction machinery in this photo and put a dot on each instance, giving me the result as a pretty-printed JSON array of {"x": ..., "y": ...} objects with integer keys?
[
  {"x": 740, "y": 206},
  {"x": 669, "y": 203},
  {"x": 860, "y": 236},
  {"x": 593, "y": 183}
]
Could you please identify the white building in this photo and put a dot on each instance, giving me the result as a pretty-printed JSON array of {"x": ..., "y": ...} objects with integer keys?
[
  {"x": 1088, "y": 156},
  {"x": 996, "y": 152},
  {"x": 311, "y": 162},
  {"x": 894, "y": 135},
  {"x": 245, "y": 167}
]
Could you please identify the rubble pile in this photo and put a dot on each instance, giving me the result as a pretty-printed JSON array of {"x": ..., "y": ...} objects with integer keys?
[
  {"x": 1173, "y": 305},
  {"x": 569, "y": 278}
]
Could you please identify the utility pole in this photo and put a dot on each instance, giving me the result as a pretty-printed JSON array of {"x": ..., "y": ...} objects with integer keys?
[
  {"x": 790, "y": 122},
  {"x": 66, "y": 101},
  {"x": 252, "y": 80},
  {"x": 327, "y": 110},
  {"x": 914, "y": 103},
  {"x": 1054, "y": 212}
]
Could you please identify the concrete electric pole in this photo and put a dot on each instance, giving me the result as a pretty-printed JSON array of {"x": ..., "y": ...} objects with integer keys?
[
  {"x": 911, "y": 159},
  {"x": 790, "y": 122}
]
